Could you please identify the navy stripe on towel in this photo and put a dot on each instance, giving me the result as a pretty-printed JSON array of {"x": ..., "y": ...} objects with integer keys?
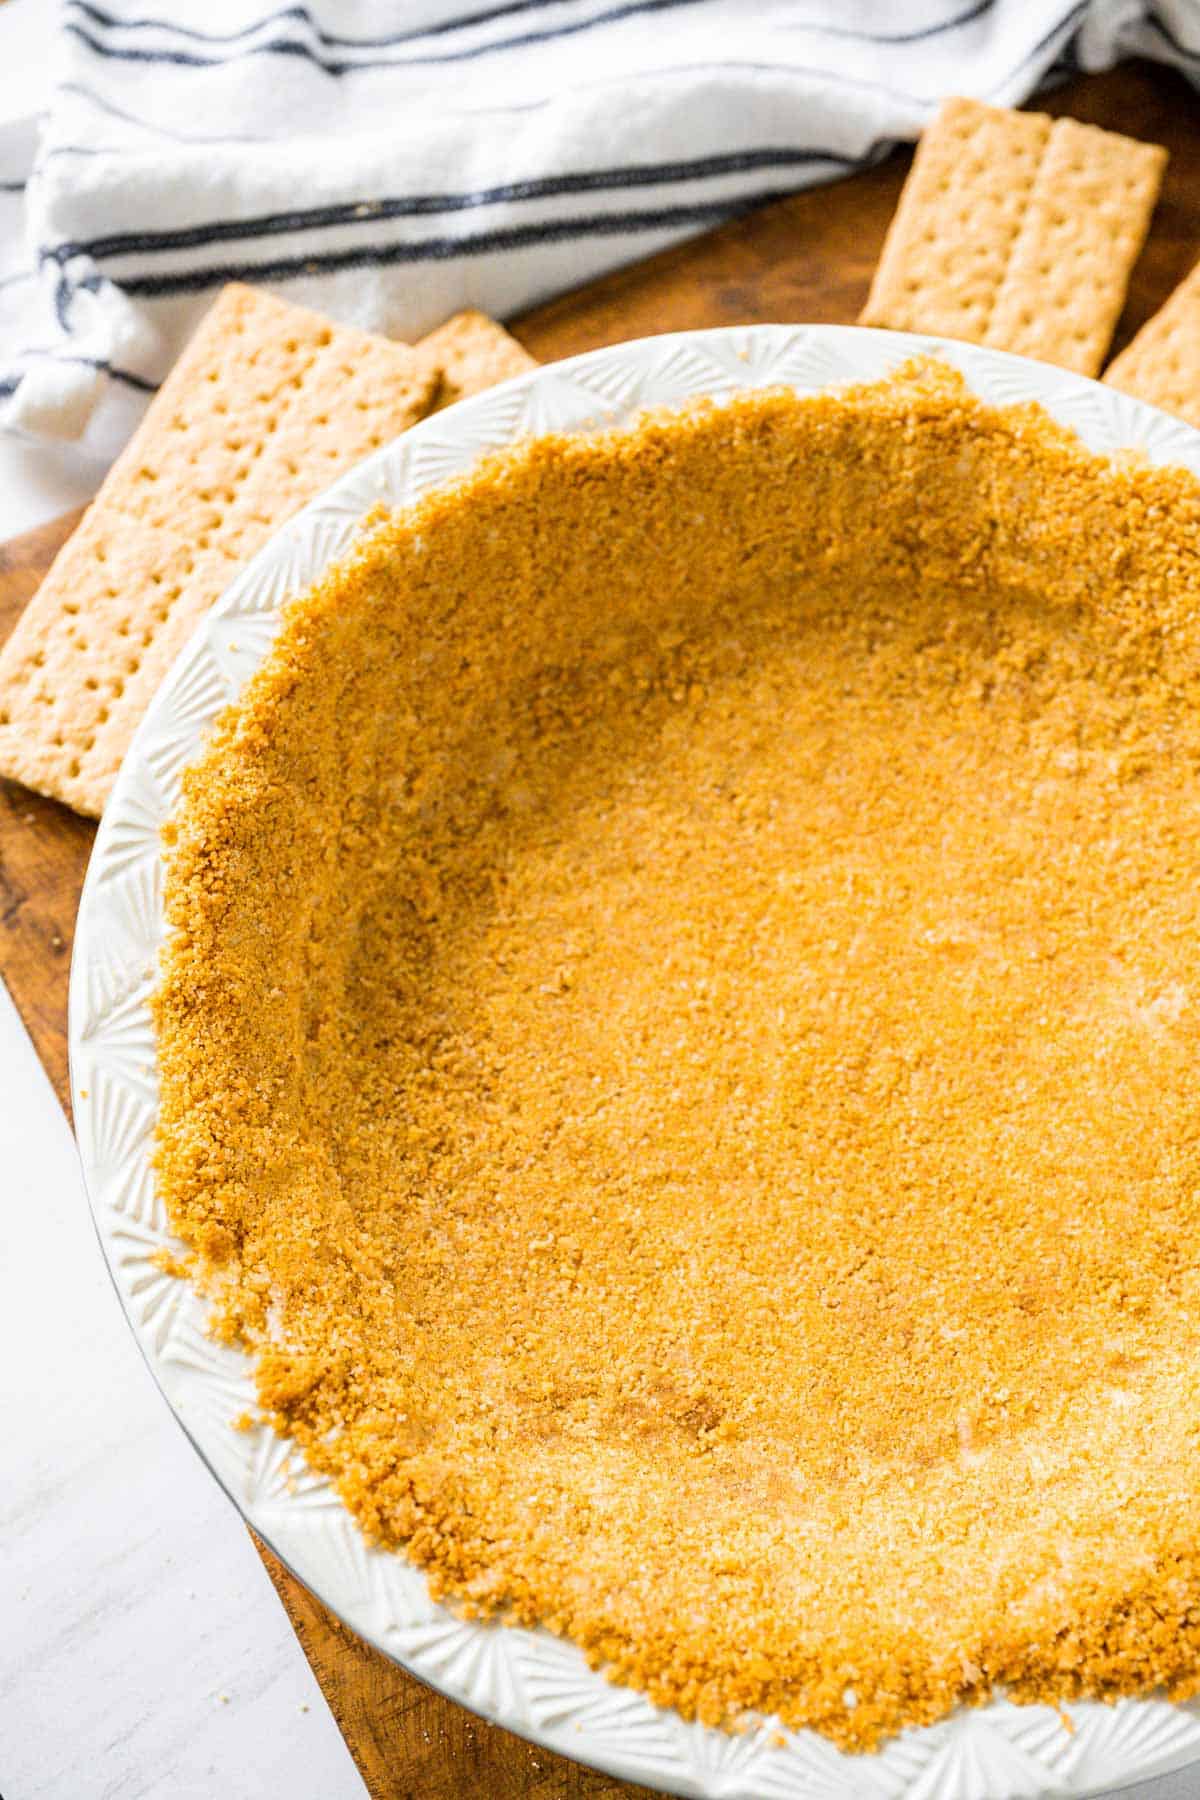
[
  {"x": 441, "y": 249},
  {"x": 366, "y": 212}
]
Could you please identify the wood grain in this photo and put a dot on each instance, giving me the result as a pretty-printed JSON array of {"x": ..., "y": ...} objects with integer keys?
[
  {"x": 43, "y": 850},
  {"x": 806, "y": 258}
]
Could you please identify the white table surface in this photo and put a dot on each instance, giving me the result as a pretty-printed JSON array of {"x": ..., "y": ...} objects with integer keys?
[
  {"x": 143, "y": 1650},
  {"x": 144, "y": 1654}
]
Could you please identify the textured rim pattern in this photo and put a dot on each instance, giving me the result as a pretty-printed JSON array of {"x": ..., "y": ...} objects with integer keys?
[{"x": 529, "y": 1681}]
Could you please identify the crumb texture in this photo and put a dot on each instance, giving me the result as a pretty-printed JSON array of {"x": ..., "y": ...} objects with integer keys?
[{"x": 677, "y": 1051}]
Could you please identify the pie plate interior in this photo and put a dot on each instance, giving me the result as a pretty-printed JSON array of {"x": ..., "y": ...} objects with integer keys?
[{"x": 529, "y": 1681}]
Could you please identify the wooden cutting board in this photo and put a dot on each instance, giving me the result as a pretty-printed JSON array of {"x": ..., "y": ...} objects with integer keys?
[{"x": 805, "y": 258}]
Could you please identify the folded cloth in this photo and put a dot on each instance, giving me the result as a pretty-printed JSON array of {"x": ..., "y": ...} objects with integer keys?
[{"x": 390, "y": 161}]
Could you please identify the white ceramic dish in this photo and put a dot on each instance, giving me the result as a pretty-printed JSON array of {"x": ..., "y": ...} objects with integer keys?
[{"x": 529, "y": 1681}]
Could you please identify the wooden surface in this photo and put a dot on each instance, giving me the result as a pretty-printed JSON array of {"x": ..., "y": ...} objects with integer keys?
[{"x": 805, "y": 258}]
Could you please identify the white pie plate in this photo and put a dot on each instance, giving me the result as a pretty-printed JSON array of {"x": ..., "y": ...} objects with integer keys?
[{"x": 529, "y": 1681}]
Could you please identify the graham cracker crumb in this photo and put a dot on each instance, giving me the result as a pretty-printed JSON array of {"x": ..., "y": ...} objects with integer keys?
[{"x": 677, "y": 1051}]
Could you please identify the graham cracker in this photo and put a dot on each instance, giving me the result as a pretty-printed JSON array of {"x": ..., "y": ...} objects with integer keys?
[
  {"x": 267, "y": 406},
  {"x": 473, "y": 352},
  {"x": 1018, "y": 231},
  {"x": 1162, "y": 364}
]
